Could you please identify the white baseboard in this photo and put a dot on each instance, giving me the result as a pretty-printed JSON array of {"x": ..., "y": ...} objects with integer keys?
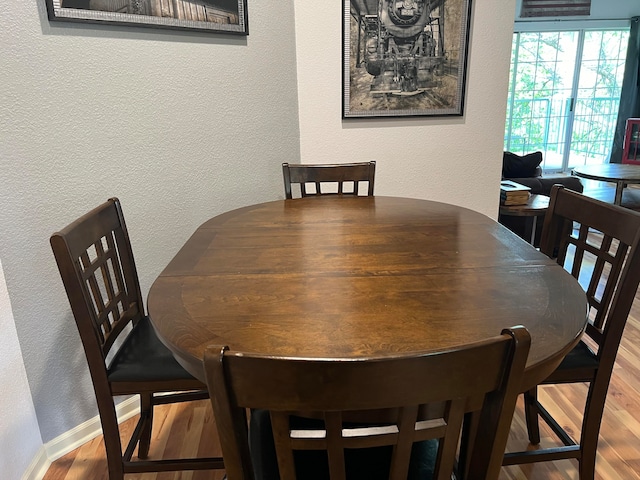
[
  {"x": 38, "y": 467},
  {"x": 72, "y": 439}
]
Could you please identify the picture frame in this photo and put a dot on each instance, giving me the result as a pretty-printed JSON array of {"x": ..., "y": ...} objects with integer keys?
[
  {"x": 404, "y": 57},
  {"x": 212, "y": 16}
]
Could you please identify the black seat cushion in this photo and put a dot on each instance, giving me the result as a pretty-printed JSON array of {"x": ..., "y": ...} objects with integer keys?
[
  {"x": 580, "y": 357},
  {"x": 370, "y": 463},
  {"x": 143, "y": 357}
]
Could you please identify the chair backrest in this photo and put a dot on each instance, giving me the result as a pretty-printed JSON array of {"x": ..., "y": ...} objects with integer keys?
[
  {"x": 97, "y": 267},
  {"x": 333, "y": 177},
  {"x": 598, "y": 244},
  {"x": 424, "y": 397}
]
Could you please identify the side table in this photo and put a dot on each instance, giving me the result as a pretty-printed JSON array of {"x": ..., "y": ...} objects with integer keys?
[{"x": 535, "y": 207}]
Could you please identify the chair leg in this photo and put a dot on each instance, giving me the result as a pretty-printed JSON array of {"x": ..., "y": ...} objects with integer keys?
[
  {"x": 146, "y": 413},
  {"x": 111, "y": 436},
  {"x": 587, "y": 467},
  {"x": 591, "y": 422},
  {"x": 531, "y": 415}
]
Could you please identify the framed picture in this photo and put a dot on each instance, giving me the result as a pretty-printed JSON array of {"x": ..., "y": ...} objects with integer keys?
[
  {"x": 404, "y": 57},
  {"x": 215, "y": 16}
]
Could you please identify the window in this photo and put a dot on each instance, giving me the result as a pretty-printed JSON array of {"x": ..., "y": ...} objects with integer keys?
[{"x": 564, "y": 92}]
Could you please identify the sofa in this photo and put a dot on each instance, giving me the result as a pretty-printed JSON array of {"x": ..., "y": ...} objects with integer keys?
[{"x": 526, "y": 170}]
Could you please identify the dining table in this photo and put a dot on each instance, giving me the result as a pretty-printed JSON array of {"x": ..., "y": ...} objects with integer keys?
[{"x": 337, "y": 277}]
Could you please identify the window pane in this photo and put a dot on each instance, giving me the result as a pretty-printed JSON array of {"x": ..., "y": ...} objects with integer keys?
[
  {"x": 548, "y": 106},
  {"x": 598, "y": 96},
  {"x": 541, "y": 94}
]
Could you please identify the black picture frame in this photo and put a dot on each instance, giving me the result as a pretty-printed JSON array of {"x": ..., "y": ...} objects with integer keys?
[
  {"x": 404, "y": 57},
  {"x": 213, "y": 16}
]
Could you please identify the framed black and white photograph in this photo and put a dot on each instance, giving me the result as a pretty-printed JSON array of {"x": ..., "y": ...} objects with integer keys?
[
  {"x": 215, "y": 16},
  {"x": 404, "y": 57}
]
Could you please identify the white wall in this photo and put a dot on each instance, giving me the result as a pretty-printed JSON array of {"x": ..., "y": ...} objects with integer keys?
[
  {"x": 450, "y": 159},
  {"x": 19, "y": 432},
  {"x": 180, "y": 126}
]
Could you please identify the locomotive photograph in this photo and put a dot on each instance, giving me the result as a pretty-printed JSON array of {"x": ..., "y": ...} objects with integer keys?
[
  {"x": 226, "y": 16},
  {"x": 404, "y": 57}
]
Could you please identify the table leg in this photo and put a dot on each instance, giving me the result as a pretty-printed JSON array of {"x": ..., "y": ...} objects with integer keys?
[
  {"x": 619, "y": 189},
  {"x": 534, "y": 225},
  {"x": 529, "y": 233}
]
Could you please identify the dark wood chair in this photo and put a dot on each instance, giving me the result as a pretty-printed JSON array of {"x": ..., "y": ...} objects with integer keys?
[
  {"x": 334, "y": 178},
  {"x": 420, "y": 398},
  {"x": 124, "y": 355},
  {"x": 598, "y": 244}
]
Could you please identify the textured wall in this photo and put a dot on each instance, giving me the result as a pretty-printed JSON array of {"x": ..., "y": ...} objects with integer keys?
[
  {"x": 450, "y": 159},
  {"x": 180, "y": 126},
  {"x": 19, "y": 432}
]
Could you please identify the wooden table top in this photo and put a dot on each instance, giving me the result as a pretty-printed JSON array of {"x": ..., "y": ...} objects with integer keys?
[
  {"x": 609, "y": 172},
  {"x": 332, "y": 277}
]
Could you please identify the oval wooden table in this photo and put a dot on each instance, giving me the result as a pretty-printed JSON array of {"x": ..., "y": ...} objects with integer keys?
[{"x": 334, "y": 277}]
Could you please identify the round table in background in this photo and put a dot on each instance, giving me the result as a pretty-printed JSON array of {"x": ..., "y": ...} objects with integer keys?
[
  {"x": 535, "y": 207},
  {"x": 332, "y": 277},
  {"x": 618, "y": 173}
]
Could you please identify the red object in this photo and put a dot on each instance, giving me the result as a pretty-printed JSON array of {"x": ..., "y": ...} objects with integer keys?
[{"x": 631, "y": 146}]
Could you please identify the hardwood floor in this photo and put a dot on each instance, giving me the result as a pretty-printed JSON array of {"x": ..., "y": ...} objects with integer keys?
[
  {"x": 189, "y": 429},
  {"x": 186, "y": 429}
]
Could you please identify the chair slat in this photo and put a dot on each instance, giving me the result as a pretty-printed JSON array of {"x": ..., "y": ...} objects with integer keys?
[{"x": 402, "y": 449}]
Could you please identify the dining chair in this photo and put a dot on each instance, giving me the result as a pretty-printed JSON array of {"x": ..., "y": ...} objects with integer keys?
[
  {"x": 416, "y": 400},
  {"x": 598, "y": 244},
  {"x": 334, "y": 178},
  {"x": 124, "y": 355}
]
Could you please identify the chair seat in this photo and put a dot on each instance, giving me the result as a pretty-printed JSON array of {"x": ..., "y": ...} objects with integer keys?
[
  {"x": 580, "y": 365},
  {"x": 144, "y": 358},
  {"x": 580, "y": 357}
]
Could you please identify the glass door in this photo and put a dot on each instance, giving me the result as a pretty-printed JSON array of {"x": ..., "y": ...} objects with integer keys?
[{"x": 563, "y": 95}]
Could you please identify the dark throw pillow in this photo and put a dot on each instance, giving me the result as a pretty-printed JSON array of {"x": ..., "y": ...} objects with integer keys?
[{"x": 520, "y": 166}]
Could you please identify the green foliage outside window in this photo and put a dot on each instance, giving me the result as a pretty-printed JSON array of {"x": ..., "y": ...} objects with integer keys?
[{"x": 552, "y": 105}]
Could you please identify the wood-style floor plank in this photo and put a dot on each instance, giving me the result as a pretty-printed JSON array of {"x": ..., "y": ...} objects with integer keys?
[
  {"x": 186, "y": 429},
  {"x": 619, "y": 445}
]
